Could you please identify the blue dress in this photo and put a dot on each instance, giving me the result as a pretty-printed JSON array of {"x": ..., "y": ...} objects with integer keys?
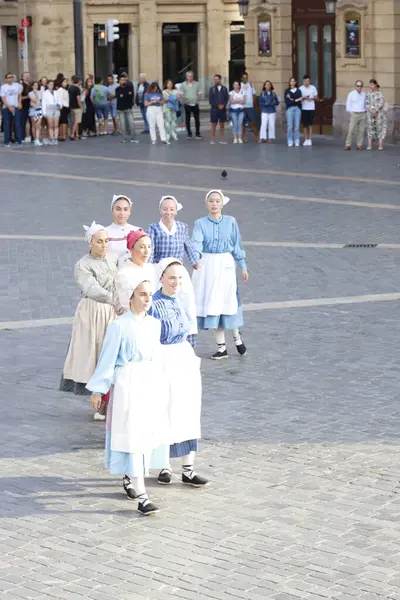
[
  {"x": 219, "y": 236},
  {"x": 174, "y": 330}
]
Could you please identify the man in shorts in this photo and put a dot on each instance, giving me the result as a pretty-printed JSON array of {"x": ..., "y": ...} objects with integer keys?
[
  {"x": 113, "y": 102},
  {"x": 75, "y": 105},
  {"x": 218, "y": 97},
  {"x": 309, "y": 94},
  {"x": 250, "y": 117}
]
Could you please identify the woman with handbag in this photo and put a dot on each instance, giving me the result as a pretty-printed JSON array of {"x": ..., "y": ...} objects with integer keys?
[
  {"x": 170, "y": 109},
  {"x": 136, "y": 432},
  {"x": 94, "y": 274}
]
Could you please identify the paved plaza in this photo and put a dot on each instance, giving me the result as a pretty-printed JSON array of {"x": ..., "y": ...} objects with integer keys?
[{"x": 300, "y": 436}]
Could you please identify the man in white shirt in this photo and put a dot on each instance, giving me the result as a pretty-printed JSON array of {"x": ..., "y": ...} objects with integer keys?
[
  {"x": 355, "y": 105},
  {"x": 248, "y": 108},
  {"x": 10, "y": 94},
  {"x": 309, "y": 94}
]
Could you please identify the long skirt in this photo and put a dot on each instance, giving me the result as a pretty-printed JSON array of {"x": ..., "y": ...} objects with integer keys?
[
  {"x": 88, "y": 331},
  {"x": 137, "y": 433},
  {"x": 215, "y": 287}
]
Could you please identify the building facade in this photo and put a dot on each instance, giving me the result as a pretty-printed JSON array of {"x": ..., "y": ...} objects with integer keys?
[{"x": 165, "y": 38}]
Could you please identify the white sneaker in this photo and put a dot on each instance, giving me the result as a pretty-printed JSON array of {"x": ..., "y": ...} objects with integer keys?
[
  {"x": 212, "y": 141},
  {"x": 240, "y": 141},
  {"x": 98, "y": 417},
  {"x": 37, "y": 143},
  {"x": 154, "y": 143},
  {"x": 46, "y": 142},
  {"x": 290, "y": 144},
  {"x": 235, "y": 141},
  {"x": 297, "y": 144},
  {"x": 27, "y": 140},
  {"x": 305, "y": 143},
  {"x": 309, "y": 143}
]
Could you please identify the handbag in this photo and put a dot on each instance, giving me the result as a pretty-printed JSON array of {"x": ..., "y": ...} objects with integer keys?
[{"x": 102, "y": 410}]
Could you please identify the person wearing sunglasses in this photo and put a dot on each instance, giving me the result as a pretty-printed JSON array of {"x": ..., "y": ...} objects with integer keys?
[
  {"x": 356, "y": 106},
  {"x": 10, "y": 94}
]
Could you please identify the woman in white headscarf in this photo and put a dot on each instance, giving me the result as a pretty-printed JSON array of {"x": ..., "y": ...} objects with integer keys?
[
  {"x": 216, "y": 239},
  {"x": 118, "y": 230},
  {"x": 94, "y": 274},
  {"x": 170, "y": 238}
]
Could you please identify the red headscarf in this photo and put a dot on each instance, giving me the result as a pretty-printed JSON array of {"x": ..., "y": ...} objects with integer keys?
[{"x": 134, "y": 236}]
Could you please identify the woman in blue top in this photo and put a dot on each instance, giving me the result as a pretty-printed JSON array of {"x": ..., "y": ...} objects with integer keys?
[
  {"x": 154, "y": 101},
  {"x": 268, "y": 102},
  {"x": 171, "y": 238},
  {"x": 180, "y": 374},
  {"x": 171, "y": 107},
  {"x": 293, "y": 100},
  {"x": 216, "y": 239},
  {"x": 137, "y": 438}
]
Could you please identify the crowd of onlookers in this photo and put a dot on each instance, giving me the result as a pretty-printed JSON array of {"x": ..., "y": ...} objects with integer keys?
[{"x": 51, "y": 111}]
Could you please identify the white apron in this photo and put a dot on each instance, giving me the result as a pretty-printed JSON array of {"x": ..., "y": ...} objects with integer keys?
[
  {"x": 215, "y": 285},
  {"x": 139, "y": 408},
  {"x": 181, "y": 373}
]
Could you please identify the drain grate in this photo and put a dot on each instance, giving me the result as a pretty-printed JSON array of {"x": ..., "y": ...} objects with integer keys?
[{"x": 360, "y": 246}]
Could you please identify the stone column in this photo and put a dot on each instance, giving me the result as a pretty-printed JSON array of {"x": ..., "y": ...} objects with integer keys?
[
  {"x": 202, "y": 58},
  {"x": 133, "y": 54},
  {"x": 148, "y": 40},
  {"x": 217, "y": 51}
]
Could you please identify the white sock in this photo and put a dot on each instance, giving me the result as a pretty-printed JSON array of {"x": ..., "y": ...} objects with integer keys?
[
  {"x": 138, "y": 484},
  {"x": 236, "y": 337},
  {"x": 187, "y": 465},
  {"x": 220, "y": 339}
]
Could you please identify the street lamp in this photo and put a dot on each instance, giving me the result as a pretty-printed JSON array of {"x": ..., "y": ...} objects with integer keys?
[
  {"x": 330, "y": 6},
  {"x": 243, "y": 7}
]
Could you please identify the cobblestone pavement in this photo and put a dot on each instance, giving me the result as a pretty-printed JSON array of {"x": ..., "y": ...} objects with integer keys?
[{"x": 300, "y": 437}]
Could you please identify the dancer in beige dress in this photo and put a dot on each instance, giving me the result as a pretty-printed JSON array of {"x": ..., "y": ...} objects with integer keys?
[{"x": 94, "y": 274}]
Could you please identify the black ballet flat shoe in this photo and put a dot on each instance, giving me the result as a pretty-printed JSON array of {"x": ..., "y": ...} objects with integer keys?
[
  {"x": 195, "y": 481},
  {"x": 220, "y": 354},
  {"x": 164, "y": 477},
  {"x": 241, "y": 348},
  {"x": 148, "y": 508},
  {"x": 128, "y": 487}
]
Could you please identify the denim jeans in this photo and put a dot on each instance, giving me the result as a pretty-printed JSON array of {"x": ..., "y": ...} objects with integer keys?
[
  {"x": 237, "y": 116},
  {"x": 143, "y": 110},
  {"x": 127, "y": 124},
  {"x": 8, "y": 118},
  {"x": 293, "y": 115}
]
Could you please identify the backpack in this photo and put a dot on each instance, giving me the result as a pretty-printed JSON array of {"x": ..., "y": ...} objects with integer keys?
[{"x": 100, "y": 97}]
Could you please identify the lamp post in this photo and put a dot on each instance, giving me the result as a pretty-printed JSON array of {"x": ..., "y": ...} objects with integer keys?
[
  {"x": 243, "y": 7},
  {"x": 78, "y": 37},
  {"x": 330, "y": 6}
]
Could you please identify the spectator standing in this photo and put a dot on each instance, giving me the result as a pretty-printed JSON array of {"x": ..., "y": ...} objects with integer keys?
[
  {"x": 154, "y": 101},
  {"x": 51, "y": 110},
  {"x": 249, "y": 108},
  {"x": 125, "y": 96},
  {"x": 237, "y": 99},
  {"x": 140, "y": 92},
  {"x": 112, "y": 86},
  {"x": 190, "y": 90},
  {"x": 43, "y": 87},
  {"x": 356, "y": 106},
  {"x": 376, "y": 115},
  {"x": 35, "y": 112},
  {"x": 89, "y": 113},
  {"x": 218, "y": 98},
  {"x": 181, "y": 114},
  {"x": 170, "y": 110},
  {"x": 293, "y": 101},
  {"x": 11, "y": 94},
  {"x": 75, "y": 104},
  {"x": 309, "y": 95},
  {"x": 63, "y": 98},
  {"x": 99, "y": 97},
  {"x": 26, "y": 103},
  {"x": 268, "y": 102}
]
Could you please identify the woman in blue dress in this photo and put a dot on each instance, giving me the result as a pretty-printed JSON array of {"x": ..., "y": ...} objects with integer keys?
[
  {"x": 216, "y": 239},
  {"x": 180, "y": 373},
  {"x": 136, "y": 436},
  {"x": 171, "y": 238}
]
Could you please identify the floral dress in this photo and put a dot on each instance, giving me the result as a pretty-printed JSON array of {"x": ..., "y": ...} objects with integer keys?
[{"x": 377, "y": 125}]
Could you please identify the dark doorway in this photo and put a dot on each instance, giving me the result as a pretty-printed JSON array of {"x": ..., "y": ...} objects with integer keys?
[
  {"x": 237, "y": 62},
  {"x": 120, "y": 53},
  {"x": 180, "y": 50},
  {"x": 314, "y": 54}
]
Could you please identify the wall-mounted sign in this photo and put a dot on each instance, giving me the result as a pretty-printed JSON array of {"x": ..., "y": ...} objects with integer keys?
[
  {"x": 12, "y": 31},
  {"x": 179, "y": 28},
  {"x": 26, "y": 22},
  {"x": 353, "y": 37},
  {"x": 264, "y": 38}
]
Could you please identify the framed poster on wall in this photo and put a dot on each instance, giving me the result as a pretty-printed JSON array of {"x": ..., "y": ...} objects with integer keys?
[
  {"x": 353, "y": 36},
  {"x": 264, "y": 37}
]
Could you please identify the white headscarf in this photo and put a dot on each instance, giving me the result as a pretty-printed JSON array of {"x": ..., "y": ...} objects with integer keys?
[
  {"x": 90, "y": 231},
  {"x": 117, "y": 197},
  {"x": 225, "y": 199},
  {"x": 164, "y": 264},
  {"x": 178, "y": 204},
  {"x": 136, "y": 277}
]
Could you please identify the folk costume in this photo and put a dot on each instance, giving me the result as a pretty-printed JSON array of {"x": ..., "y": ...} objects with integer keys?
[
  {"x": 175, "y": 242},
  {"x": 95, "y": 278},
  {"x": 136, "y": 433},
  {"x": 218, "y": 244},
  {"x": 181, "y": 374},
  {"x": 119, "y": 233}
]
